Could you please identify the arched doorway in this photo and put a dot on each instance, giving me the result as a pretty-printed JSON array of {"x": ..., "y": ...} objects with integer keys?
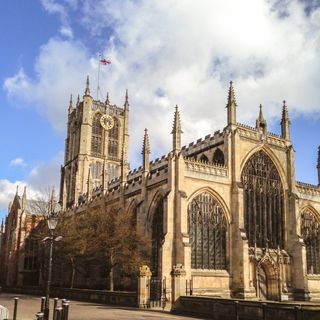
[
  {"x": 267, "y": 280},
  {"x": 262, "y": 284}
]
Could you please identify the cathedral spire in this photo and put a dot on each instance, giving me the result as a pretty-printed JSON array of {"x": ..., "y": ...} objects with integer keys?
[
  {"x": 87, "y": 91},
  {"x": 107, "y": 100},
  {"x": 78, "y": 101},
  {"x": 285, "y": 122},
  {"x": 231, "y": 106},
  {"x": 126, "y": 102},
  {"x": 70, "y": 105},
  {"x": 145, "y": 151},
  {"x": 24, "y": 198},
  {"x": 318, "y": 166},
  {"x": 176, "y": 131},
  {"x": 261, "y": 123}
]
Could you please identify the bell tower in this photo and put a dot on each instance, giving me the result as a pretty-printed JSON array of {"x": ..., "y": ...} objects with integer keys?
[{"x": 97, "y": 134}]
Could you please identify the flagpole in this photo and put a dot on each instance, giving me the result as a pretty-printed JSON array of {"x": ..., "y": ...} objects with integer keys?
[{"x": 98, "y": 87}]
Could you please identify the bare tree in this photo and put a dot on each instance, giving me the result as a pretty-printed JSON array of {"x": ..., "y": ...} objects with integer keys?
[{"x": 113, "y": 233}]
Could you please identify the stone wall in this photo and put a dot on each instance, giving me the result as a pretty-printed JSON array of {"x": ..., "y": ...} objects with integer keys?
[
  {"x": 120, "y": 298},
  {"x": 231, "y": 309}
]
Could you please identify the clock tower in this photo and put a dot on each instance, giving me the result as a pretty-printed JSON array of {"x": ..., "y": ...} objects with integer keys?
[{"x": 96, "y": 147}]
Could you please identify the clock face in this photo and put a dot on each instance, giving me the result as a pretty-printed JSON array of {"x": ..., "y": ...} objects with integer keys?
[{"x": 107, "y": 122}]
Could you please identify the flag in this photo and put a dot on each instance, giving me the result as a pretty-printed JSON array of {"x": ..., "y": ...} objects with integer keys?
[{"x": 105, "y": 61}]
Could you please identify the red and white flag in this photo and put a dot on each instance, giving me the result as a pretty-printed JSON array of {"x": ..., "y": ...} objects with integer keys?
[{"x": 105, "y": 61}]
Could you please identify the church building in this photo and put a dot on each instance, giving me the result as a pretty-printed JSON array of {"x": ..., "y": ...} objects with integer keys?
[{"x": 227, "y": 207}]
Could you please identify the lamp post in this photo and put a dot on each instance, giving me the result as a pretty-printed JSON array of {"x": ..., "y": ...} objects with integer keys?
[{"x": 52, "y": 223}]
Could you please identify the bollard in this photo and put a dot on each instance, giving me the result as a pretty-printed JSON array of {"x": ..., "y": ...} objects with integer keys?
[
  {"x": 236, "y": 310},
  {"x": 264, "y": 314},
  {"x": 55, "y": 303},
  {"x": 15, "y": 308},
  {"x": 58, "y": 313},
  {"x": 43, "y": 300},
  {"x": 65, "y": 311},
  {"x": 39, "y": 316},
  {"x": 297, "y": 311}
]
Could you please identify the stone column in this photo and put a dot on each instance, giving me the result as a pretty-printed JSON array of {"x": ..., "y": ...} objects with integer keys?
[
  {"x": 178, "y": 275},
  {"x": 144, "y": 286}
]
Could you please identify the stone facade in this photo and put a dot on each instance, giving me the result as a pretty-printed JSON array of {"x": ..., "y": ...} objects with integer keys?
[
  {"x": 226, "y": 208},
  {"x": 19, "y": 252}
]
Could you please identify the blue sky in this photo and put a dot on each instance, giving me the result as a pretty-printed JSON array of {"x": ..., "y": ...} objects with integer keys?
[{"x": 166, "y": 53}]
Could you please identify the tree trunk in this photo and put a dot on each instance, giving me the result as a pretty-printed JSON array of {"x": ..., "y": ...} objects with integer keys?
[
  {"x": 73, "y": 272},
  {"x": 111, "y": 285}
]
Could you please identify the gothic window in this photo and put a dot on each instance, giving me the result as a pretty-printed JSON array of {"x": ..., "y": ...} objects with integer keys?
[
  {"x": 96, "y": 173},
  {"x": 263, "y": 202},
  {"x": 96, "y": 139},
  {"x": 204, "y": 158},
  {"x": 157, "y": 238},
  {"x": 208, "y": 233},
  {"x": 310, "y": 231},
  {"x": 113, "y": 140},
  {"x": 112, "y": 171},
  {"x": 218, "y": 157}
]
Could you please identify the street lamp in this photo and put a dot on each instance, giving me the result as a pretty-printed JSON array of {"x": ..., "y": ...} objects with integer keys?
[{"x": 52, "y": 223}]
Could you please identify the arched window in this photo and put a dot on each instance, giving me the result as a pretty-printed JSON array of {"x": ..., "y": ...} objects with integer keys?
[
  {"x": 204, "y": 158},
  {"x": 96, "y": 138},
  {"x": 207, "y": 231},
  {"x": 218, "y": 157},
  {"x": 310, "y": 231},
  {"x": 113, "y": 140},
  {"x": 157, "y": 239},
  {"x": 263, "y": 202}
]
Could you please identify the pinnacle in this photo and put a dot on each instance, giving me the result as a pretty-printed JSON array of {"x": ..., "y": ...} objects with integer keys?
[
  {"x": 70, "y": 104},
  {"x": 176, "y": 122},
  {"x": 107, "y": 99},
  {"x": 231, "y": 96},
  {"x": 87, "y": 91},
  {"x": 285, "y": 114},
  {"x": 146, "y": 143},
  {"x": 126, "y": 102},
  {"x": 261, "y": 118}
]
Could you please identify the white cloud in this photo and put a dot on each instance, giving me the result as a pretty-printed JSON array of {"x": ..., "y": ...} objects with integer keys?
[
  {"x": 184, "y": 52},
  {"x": 46, "y": 175},
  {"x": 61, "y": 10},
  {"x": 8, "y": 190},
  {"x": 18, "y": 162},
  {"x": 41, "y": 178}
]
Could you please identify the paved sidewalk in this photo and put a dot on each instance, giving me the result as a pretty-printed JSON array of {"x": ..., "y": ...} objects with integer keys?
[{"x": 28, "y": 306}]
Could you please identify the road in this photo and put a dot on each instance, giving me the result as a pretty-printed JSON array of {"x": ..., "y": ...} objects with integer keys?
[{"x": 28, "y": 306}]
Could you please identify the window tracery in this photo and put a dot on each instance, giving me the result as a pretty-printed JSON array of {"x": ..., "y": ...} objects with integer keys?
[
  {"x": 113, "y": 140},
  {"x": 96, "y": 138},
  {"x": 310, "y": 231},
  {"x": 207, "y": 231},
  {"x": 157, "y": 239},
  {"x": 263, "y": 202}
]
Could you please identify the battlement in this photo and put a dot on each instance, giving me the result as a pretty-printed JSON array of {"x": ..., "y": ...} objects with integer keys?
[
  {"x": 203, "y": 143},
  {"x": 101, "y": 106},
  {"x": 308, "y": 188},
  {"x": 204, "y": 167}
]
